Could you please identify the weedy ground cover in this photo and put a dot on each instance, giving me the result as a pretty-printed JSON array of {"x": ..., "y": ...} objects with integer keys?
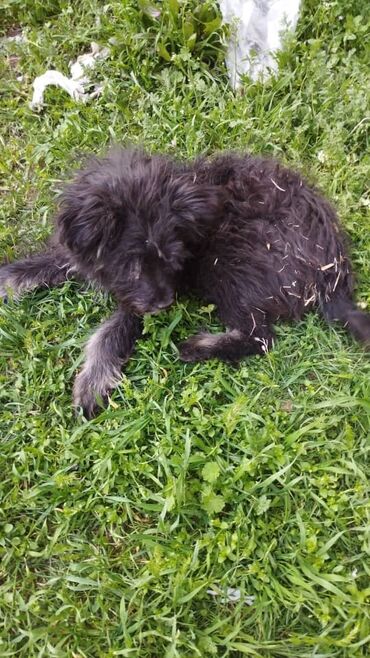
[{"x": 195, "y": 477}]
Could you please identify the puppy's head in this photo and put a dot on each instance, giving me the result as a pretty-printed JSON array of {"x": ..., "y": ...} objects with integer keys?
[{"x": 132, "y": 220}]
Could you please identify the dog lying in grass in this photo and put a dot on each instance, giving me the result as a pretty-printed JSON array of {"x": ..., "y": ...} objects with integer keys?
[{"x": 241, "y": 232}]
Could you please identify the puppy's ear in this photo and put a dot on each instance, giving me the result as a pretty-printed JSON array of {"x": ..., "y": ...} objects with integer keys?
[
  {"x": 195, "y": 206},
  {"x": 88, "y": 219}
]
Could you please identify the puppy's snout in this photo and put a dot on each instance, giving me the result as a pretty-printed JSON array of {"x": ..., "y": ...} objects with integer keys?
[
  {"x": 154, "y": 306},
  {"x": 160, "y": 302},
  {"x": 164, "y": 303}
]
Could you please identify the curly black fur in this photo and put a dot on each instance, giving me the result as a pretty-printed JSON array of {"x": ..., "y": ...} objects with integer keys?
[{"x": 244, "y": 233}]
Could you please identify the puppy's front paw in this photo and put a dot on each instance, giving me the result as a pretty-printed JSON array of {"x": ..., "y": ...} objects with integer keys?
[
  {"x": 5, "y": 287},
  {"x": 3, "y": 295},
  {"x": 88, "y": 395},
  {"x": 197, "y": 348}
]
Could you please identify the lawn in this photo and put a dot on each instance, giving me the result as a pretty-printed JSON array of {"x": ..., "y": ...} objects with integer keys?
[{"x": 197, "y": 477}]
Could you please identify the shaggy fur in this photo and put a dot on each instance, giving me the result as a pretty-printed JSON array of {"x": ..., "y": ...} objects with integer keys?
[{"x": 244, "y": 233}]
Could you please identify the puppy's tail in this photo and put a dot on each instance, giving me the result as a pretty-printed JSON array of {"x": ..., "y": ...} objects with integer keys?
[{"x": 343, "y": 309}]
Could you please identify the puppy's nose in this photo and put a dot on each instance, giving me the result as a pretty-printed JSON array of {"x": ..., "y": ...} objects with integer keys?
[{"x": 165, "y": 303}]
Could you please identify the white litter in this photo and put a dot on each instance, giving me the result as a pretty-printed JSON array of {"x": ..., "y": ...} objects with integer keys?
[
  {"x": 16, "y": 38},
  {"x": 257, "y": 28},
  {"x": 76, "y": 85},
  {"x": 231, "y": 595}
]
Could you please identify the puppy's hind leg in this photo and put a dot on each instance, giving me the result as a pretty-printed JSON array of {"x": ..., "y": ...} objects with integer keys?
[
  {"x": 231, "y": 346},
  {"x": 341, "y": 308},
  {"x": 106, "y": 352},
  {"x": 46, "y": 269}
]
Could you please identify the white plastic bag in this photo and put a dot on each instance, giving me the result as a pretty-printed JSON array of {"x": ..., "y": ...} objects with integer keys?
[
  {"x": 75, "y": 85},
  {"x": 257, "y": 27}
]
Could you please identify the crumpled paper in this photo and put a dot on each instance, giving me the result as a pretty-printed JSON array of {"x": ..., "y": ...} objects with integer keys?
[
  {"x": 257, "y": 27},
  {"x": 75, "y": 86}
]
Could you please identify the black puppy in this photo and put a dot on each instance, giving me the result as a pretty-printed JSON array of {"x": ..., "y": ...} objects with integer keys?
[{"x": 241, "y": 232}]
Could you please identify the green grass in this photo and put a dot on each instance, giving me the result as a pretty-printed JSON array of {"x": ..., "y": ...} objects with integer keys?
[{"x": 195, "y": 477}]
